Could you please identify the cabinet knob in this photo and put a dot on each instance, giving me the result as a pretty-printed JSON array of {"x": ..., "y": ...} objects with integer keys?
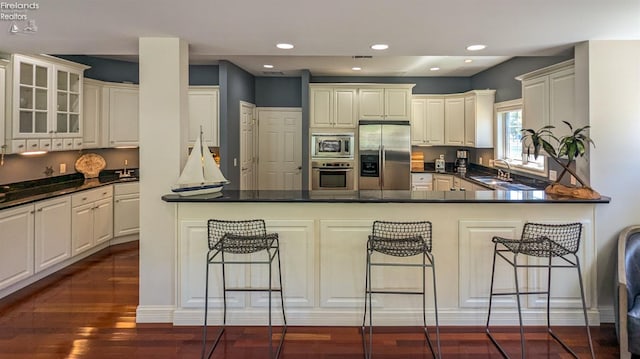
[
  {"x": 39, "y": 209},
  {"x": 104, "y": 193},
  {"x": 34, "y": 145},
  {"x": 84, "y": 198},
  {"x": 117, "y": 201},
  {"x": 32, "y": 212}
]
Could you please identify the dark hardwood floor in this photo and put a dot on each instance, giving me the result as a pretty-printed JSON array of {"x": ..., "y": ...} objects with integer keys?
[{"x": 88, "y": 311}]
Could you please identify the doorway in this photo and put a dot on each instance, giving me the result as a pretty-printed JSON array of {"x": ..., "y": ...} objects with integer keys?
[
  {"x": 280, "y": 148},
  {"x": 248, "y": 148}
]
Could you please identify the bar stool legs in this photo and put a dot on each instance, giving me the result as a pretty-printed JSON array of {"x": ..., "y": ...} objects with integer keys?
[
  {"x": 242, "y": 243},
  {"x": 406, "y": 243},
  {"x": 540, "y": 245}
]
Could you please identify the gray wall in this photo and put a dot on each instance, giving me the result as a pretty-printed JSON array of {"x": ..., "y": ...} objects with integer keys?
[
  {"x": 502, "y": 76},
  {"x": 424, "y": 85},
  {"x": 278, "y": 91},
  {"x": 304, "y": 90},
  {"x": 204, "y": 75},
  {"x": 235, "y": 85}
]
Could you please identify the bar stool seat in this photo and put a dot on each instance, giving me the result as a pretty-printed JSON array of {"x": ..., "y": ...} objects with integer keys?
[
  {"x": 549, "y": 241},
  {"x": 400, "y": 239},
  {"x": 242, "y": 237}
]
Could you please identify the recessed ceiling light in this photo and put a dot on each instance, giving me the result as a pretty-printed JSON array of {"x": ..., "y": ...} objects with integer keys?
[
  {"x": 284, "y": 46},
  {"x": 436, "y": 68},
  {"x": 356, "y": 68},
  {"x": 267, "y": 66},
  {"x": 476, "y": 47},
  {"x": 379, "y": 46},
  {"x": 468, "y": 61}
]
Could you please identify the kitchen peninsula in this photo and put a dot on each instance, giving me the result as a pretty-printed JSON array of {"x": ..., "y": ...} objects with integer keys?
[{"x": 323, "y": 239}]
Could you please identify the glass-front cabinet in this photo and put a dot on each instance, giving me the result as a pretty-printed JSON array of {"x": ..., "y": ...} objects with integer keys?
[{"x": 46, "y": 104}]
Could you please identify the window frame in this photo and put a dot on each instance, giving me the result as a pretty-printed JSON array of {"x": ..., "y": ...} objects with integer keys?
[{"x": 499, "y": 149}]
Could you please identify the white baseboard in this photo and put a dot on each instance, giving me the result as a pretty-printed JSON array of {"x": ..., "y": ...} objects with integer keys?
[
  {"x": 155, "y": 314},
  {"x": 607, "y": 314}
]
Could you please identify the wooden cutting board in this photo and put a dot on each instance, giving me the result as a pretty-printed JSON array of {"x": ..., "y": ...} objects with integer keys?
[{"x": 417, "y": 161}]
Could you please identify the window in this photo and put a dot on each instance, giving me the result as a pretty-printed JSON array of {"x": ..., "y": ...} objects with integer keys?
[{"x": 509, "y": 141}]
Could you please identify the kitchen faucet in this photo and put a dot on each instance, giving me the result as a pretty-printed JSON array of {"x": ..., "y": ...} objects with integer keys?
[
  {"x": 506, "y": 176},
  {"x": 125, "y": 172}
]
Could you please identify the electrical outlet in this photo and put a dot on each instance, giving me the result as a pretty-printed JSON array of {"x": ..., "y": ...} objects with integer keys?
[
  {"x": 491, "y": 163},
  {"x": 553, "y": 175},
  {"x": 573, "y": 180},
  {"x": 235, "y": 162},
  {"x": 63, "y": 168},
  {"x": 480, "y": 160}
]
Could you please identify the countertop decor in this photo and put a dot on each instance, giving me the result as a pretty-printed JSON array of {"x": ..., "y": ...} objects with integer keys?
[
  {"x": 569, "y": 147},
  {"x": 90, "y": 165}
]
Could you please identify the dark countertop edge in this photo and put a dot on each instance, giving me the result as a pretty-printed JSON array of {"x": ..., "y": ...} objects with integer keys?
[
  {"x": 74, "y": 186},
  {"x": 235, "y": 198}
]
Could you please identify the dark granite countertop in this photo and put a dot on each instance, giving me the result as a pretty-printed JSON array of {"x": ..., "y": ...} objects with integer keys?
[
  {"x": 17, "y": 194},
  {"x": 229, "y": 196}
]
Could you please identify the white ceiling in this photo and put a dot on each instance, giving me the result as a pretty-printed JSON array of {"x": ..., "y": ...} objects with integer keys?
[{"x": 327, "y": 34}]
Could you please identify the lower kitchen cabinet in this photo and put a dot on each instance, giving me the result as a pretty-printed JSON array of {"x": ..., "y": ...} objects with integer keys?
[
  {"x": 16, "y": 241},
  {"x": 126, "y": 219},
  {"x": 92, "y": 218},
  {"x": 442, "y": 182},
  {"x": 52, "y": 232}
]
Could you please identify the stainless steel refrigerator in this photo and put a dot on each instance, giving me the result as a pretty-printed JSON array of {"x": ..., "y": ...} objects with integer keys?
[{"x": 384, "y": 155}]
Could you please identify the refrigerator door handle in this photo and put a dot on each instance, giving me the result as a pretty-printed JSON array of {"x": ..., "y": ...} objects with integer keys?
[{"x": 383, "y": 160}]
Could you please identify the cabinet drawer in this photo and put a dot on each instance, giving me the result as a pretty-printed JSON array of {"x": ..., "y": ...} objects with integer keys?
[
  {"x": 93, "y": 195},
  {"x": 126, "y": 188},
  {"x": 421, "y": 179}
]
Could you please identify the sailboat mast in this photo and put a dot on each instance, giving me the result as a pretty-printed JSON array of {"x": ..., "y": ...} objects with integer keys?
[{"x": 202, "y": 153}]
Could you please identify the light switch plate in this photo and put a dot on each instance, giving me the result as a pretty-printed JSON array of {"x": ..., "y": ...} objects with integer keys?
[{"x": 553, "y": 175}]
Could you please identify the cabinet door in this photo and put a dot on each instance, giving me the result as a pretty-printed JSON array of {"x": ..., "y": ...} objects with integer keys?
[
  {"x": 103, "y": 220},
  {"x": 123, "y": 117},
  {"x": 372, "y": 104},
  {"x": 82, "y": 228},
  {"x": 52, "y": 232},
  {"x": 418, "y": 121},
  {"x": 562, "y": 101},
  {"x": 454, "y": 121},
  {"x": 91, "y": 115},
  {"x": 3, "y": 97},
  {"x": 126, "y": 217},
  {"x": 16, "y": 241},
  {"x": 31, "y": 97},
  {"x": 345, "y": 114},
  {"x": 442, "y": 182},
  {"x": 535, "y": 103},
  {"x": 435, "y": 121},
  {"x": 470, "y": 121},
  {"x": 67, "y": 102},
  {"x": 397, "y": 104},
  {"x": 203, "y": 111},
  {"x": 321, "y": 107}
]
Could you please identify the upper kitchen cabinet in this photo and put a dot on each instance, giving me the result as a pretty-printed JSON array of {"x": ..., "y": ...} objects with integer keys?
[
  {"x": 427, "y": 120},
  {"x": 92, "y": 114},
  {"x": 333, "y": 107},
  {"x": 389, "y": 102},
  {"x": 203, "y": 111},
  {"x": 478, "y": 118},
  {"x": 46, "y": 102},
  {"x": 454, "y": 120},
  {"x": 548, "y": 98},
  {"x": 120, "y": 109},
  {"x": 3, "y": 82}
]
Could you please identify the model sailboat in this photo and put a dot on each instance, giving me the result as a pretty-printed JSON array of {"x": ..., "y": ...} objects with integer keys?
[{"x": 200, "y": 175}]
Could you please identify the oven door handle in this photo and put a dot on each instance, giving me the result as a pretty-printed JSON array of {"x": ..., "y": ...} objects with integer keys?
[
  {"x": 333, "y": 169},
  {"x": 383, "y": 159}
]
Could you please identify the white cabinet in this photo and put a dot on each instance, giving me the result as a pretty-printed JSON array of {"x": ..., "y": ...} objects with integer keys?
[
  {"x": 454, "y": 120},
  {"x": 3, "y": 81},
  {"x": 548, "y": 98},
  {"x": 92, "y": 114},
  {"x": 478, "y": 118},
  {"x": 92, "y": 218},
  {"x": 333, "y": 107},
  {"x": 16, "y": 258},
  {"x": 126, "y": 210},
  {"x": 427, "y": 120},
  {"x": 442, "y": 182},
  {"x": 388, "y": 102},
  {"x": 52, "y": 232},
  {"x": 203, "y": 111},
  {"x": 46, "y": 101},
  {"x": 120, "y": 108},
  {"x": 421, "y": 182}
]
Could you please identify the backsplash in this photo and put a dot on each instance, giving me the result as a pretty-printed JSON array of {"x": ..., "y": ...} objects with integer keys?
[
  {"x": 18, "y": 168},
  {"x": 449, "y": 152}
]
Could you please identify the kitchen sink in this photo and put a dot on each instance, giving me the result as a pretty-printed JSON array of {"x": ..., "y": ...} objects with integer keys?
[{"x": 499, "y": 184}]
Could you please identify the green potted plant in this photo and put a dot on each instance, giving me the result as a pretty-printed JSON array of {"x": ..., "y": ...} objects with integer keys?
[{"x": 569, "y": 147}]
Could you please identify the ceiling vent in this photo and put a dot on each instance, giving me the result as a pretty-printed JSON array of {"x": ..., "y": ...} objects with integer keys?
[
  {"x": 362, "y": 57},
  {"x": 273, "y": 73}
]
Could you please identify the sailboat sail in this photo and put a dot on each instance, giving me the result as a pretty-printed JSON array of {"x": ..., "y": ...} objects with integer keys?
[{"x": 200, "y": 174}]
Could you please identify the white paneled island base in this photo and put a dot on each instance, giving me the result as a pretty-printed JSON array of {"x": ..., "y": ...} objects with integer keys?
[{"x": 323, "y": 264}]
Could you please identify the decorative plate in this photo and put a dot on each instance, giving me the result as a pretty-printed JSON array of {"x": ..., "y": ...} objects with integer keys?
[{"x": 90, "y": 165}]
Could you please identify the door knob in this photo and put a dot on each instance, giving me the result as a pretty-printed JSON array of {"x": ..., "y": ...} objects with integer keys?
[{"x": 299, "y": 167}]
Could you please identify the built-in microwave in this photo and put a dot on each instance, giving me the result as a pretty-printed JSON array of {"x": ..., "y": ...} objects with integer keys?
[{"x": 332, "y": 145}]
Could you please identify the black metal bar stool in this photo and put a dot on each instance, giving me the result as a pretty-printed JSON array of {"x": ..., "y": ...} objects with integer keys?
[
  {"x": 546, "y": 241},
  {"x": 241, "y": 237},
  {"x": 400, "y": 239}
]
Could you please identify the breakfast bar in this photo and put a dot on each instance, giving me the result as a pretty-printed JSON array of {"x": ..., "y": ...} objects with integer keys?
[{"x": 323, "y": 239}]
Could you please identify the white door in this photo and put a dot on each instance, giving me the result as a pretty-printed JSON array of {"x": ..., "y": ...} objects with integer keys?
[
  {"x": 248, "y": 145},
  {"x": 280, "y": 144}
]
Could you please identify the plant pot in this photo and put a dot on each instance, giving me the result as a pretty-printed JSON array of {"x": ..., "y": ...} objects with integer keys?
[{"x": 573, "y": 192}]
